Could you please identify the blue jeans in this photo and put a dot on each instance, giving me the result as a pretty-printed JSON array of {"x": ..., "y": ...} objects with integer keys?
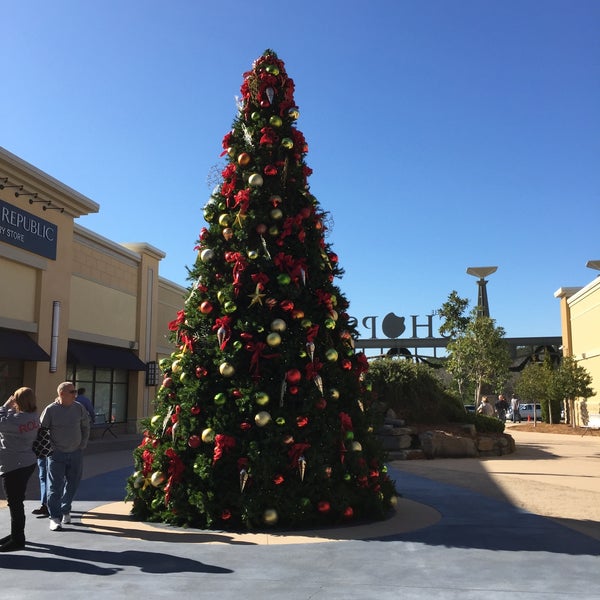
[
  {"x": 43, "y": 475},
  {"x": 64, "y": 474}
]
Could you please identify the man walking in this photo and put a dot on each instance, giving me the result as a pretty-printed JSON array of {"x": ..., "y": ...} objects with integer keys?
[{"x": 69, "y": 426}]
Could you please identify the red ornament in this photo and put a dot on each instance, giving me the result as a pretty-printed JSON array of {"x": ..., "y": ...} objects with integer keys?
[
  {"x": 348, "y": 512},
  {"x": 194, "y": 441},
  {"x": 201, "y": 372},
  {"x": 226, "y": 515},
  {"x": 278, "y": 479},
  {"x": 167, "y": 382},
  {"x": 321, "y": 404},
  {"x": 245, "y": 425},
  {"x": 293, "y": 389},
  {"x": 301, "y": 421},
  {"x": 293, "y": 376},
  {"x": 206, "y": 307},
  {"x": 323, "y": 506},
  {"x": 195, "y": 410}
]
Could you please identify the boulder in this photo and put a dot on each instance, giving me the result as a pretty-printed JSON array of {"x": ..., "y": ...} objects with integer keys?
[{"x": 440, "y": 444}]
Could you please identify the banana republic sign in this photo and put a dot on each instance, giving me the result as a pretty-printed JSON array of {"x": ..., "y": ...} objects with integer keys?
[{"x": 27, "y": 231}]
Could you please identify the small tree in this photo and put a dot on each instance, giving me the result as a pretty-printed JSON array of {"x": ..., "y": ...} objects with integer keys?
[
  {"x": 477, "y": 352},
  {"x": 454, "y": 324},
  {"x": 534, "y": 385},
  {"x": 571, "y": 381}
]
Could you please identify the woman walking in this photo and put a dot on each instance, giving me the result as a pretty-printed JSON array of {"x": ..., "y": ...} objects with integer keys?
[{"x": 19, "y": 424}]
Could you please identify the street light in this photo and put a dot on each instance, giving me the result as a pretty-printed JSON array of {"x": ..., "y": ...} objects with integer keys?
[
  {"x": 593, "y": 264},
  {"x": 483, "y": 308}
]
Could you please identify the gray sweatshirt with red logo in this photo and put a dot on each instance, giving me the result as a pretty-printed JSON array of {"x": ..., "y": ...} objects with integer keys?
[{"x": 18, "y": 431}]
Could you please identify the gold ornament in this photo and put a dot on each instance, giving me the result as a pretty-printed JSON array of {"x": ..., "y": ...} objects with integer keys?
[
  {"x": 262, "y": 418},
  {"x": 255, "y": 180},
  {"x": 273, "y": 339},
  {"x": 270, "y": 516},
  {"x": 226, "y": 369},
  {"x": 227, "y": 233},
  {"x": 157, "y": 478},
  {"x": 208, "y": 435},
  {"x": 278, "y": 325}
]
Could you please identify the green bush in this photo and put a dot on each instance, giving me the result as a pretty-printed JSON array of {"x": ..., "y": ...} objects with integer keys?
[
  {"x": 412, "y": 391},
  {"x": 416, "y": 395}
]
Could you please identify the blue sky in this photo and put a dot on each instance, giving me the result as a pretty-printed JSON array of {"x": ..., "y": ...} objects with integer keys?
[{"x": 442, "y": 134}]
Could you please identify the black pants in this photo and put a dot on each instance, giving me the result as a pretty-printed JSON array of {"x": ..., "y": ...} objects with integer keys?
[{"x": 15, "y": 486}]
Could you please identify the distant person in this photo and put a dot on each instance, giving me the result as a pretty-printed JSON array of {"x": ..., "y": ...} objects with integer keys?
[
  {"x": 19, "y": 424},
  {"x": 502, "y": 407},
  {"x": 486, "y": 408},
  {"x": 86, "y": 403},
  {"x": 69, "y": 426},
  {"x": 514, "y": 407}
]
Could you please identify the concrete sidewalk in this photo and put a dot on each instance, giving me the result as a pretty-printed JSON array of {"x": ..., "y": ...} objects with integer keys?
[{"x": 447, "y": 541}]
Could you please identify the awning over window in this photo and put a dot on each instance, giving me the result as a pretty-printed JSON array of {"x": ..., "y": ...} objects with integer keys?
[
  {"x": 19, "y": 346},
  {"x": 95, "y": 355}
]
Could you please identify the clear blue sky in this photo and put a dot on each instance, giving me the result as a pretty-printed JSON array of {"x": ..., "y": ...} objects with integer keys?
[{"x": 442, "y": 134}]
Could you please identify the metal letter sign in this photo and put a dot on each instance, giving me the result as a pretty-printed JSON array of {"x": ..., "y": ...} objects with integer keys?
[{"x": 26, "y": 231}]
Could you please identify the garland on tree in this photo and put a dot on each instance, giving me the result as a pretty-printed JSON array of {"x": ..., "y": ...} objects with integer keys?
[{"x": 262, "y": 417}]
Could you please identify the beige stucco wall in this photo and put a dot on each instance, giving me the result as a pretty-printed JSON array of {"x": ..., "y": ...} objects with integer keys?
[
  {"x": 19, "y": 291},
  {"x": 580, "y": 318},
  {"x": 585, "y": 332},
  {"x": 99, "y": 309}
]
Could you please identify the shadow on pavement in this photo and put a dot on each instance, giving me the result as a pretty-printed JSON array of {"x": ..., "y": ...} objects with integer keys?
[{"x": 82, "y": 560}]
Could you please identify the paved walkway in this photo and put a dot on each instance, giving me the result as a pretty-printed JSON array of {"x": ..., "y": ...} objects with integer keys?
[{"x": 447, "y": 541}]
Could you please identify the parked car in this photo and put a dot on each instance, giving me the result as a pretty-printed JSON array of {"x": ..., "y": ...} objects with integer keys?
[
  {"x": 470, "y": 408},
  {"x": 526, "y": 413}
]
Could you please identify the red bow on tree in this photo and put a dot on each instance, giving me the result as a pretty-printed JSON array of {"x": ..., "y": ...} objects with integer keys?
[{"x": 222, "y": 443}]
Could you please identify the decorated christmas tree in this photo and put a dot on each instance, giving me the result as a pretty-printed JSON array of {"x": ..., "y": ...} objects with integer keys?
[{"x": 262, "y": 418}]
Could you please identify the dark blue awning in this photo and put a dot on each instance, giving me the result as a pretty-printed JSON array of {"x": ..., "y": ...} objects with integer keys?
[
  {"x": 19, "y": 346},
  {"x": 97, "y": 355}
]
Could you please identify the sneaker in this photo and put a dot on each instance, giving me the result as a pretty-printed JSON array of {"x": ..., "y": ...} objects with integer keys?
[
  {"x": 42, "y": 510},
  {"x": 55, "y": 525},
  {"x": 66, "y": 518}
]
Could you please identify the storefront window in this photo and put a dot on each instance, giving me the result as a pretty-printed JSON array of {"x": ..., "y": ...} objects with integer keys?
[{"x": 106, "y": 388}]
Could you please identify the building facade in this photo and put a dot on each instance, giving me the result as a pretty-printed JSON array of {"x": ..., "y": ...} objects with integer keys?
[
  {"x": 580, "y": 323},
  {"x": 75, "y": 305}
]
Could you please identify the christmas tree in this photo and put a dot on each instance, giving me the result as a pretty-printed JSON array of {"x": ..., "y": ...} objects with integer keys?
[{"x": 262, "y": 418}]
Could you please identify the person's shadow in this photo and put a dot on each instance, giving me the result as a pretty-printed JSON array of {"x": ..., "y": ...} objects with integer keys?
[{"x": 62, "y": 559}]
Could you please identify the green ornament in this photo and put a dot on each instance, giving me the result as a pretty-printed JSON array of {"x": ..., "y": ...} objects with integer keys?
[
  {"x": 275, "y": 121},
  {"x": 330, "y": 323},
  {"x": 261, "y": 398},
  {"x": 229, "y": 306},
  {"x": 255, "y": 116},
  {"x": 220, "y": 398},
  {"x": 331, "y": 355},
  {"x": 280, "y": 421},
  {"x": 283, "y": 279},
  {"x": 287, "y": 143}
]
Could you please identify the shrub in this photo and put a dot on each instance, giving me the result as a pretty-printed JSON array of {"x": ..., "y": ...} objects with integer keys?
[{"x": 412, "y": 391}]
